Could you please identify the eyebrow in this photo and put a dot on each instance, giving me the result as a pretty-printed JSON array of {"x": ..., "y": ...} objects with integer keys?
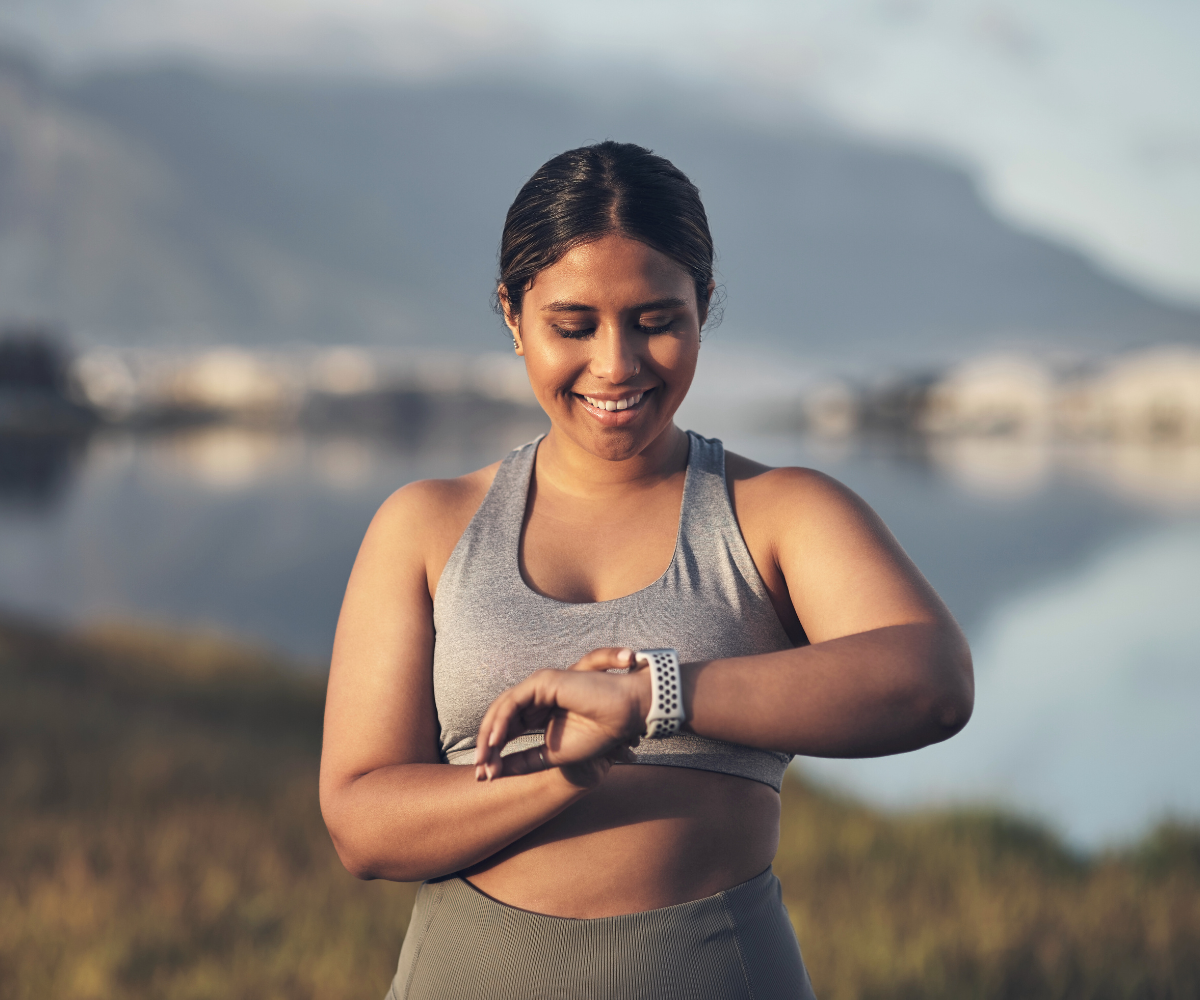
[{"x": 564, "y": 305}]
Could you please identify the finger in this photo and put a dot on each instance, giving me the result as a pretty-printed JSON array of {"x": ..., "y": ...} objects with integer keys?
[
  {"x": 519, "y": 763},
  {"x": 488, "y": 743},
  {"x": 507, "y": 717},
  {"x": 499, "y": 718},
  {"x": 482, "y": 747},
  {"x": 527, "y": 761},
  {"x": 609, "y": 658},
  {"x": 501, "y": 721}
]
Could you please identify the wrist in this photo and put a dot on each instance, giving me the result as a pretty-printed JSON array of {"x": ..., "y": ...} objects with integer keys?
[
  {"x": 641, "y": 699},
  {"x": 580, "y": 778}
]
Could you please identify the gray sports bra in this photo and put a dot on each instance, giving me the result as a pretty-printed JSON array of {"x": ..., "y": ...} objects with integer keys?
[{"x": 493, "y": 630}]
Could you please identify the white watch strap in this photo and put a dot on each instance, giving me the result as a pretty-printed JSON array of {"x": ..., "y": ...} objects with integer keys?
[{"x": 666, "y": 714}]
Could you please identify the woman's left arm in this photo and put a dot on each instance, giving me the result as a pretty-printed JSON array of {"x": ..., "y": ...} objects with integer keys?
[{"x": 887, "y": 669}]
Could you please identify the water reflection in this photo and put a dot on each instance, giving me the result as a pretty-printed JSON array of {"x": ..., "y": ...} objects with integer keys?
[
  {"x": 36, "y": 470},
  {"x": 228, "y": 458},
  {"x": 225, "y": 459},
  {"x": 1088, "y": 688},
  {"x": 994, "y": 467},
  {"x": 1159, "y": 475},
  {"x": 343, "y": 463},
  {"x": 1073, "y": 569},
  {"x": 1162, "y": 476}
]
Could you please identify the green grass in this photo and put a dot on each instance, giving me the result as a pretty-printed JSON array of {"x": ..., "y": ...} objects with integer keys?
[{"x": 159, "y": 837}]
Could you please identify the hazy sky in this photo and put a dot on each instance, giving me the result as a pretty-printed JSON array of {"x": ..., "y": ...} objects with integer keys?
[{"x": 1081, "y": 116}]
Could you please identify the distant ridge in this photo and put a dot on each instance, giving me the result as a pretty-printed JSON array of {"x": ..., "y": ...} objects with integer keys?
[{"x": 187, "y": 206}]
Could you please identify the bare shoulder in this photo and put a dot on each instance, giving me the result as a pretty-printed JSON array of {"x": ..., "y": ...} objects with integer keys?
[
  {"x": 800, "y": 494},
  {"x": 431, "y": 504},
  {"x": 426, "y": 518},
  {"x": 814, "y": 538}
]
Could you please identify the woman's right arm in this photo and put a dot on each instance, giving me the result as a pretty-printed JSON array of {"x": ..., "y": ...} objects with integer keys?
[{"x": 393, "y": 810}]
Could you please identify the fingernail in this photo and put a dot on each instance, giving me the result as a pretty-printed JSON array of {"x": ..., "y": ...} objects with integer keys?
[{"x": 625, "y": 656}]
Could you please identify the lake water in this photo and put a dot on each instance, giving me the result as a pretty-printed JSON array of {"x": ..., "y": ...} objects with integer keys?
[{"x": 1076, "y": 575}]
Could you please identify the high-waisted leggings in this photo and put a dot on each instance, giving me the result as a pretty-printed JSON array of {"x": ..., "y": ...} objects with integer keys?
[{"x": 738, "y": 944}]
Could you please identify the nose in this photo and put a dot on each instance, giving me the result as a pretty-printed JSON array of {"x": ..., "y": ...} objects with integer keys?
[{"x": 615, "y": 355}]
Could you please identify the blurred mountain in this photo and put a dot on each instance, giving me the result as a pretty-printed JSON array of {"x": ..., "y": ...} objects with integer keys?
[
  {"x": 167, "y": 204},
  {"x": 104, "y": 232}
]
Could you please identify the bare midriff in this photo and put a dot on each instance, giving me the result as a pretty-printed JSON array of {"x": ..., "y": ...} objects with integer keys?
[{"x": 648, "y": 837}]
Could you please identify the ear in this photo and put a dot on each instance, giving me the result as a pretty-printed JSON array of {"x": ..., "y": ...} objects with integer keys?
[{"x": 511, "y": 320}]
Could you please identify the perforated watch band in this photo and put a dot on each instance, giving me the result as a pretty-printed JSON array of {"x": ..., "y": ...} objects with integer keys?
[{"x": 666, "y": 714}]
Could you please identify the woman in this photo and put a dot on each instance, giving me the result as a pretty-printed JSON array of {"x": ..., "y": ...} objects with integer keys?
[{"x": 569, "y": 856}]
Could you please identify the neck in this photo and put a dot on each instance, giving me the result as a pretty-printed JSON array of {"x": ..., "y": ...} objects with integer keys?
[{"x": 562, "y": 463}]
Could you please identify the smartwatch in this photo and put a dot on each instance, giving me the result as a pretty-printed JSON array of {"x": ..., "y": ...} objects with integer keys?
[{"x": 666, "y": 715}]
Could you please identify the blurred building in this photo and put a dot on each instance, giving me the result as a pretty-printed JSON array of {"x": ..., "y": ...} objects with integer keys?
[
  {"x": 231, "y": 380},
  {"x": 346, "y": 386},
  {"x": 1000, "y": 395},
  {"x": 832, "y": 409},
  {"x": 1145, "y": 397}
]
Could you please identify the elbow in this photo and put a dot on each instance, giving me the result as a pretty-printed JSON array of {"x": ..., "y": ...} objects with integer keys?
[
  {"x": 394, "y": 846},
  {"x": 936, "y": 714},
  {"x": 941, "y": 690},
  {"x": 949, "y": 698},
  {"x": 347, "y": 838},
  {"x": 363, "y": 864},
  {"x": 363, "y": 871},
  {"x": 352, "y": 857},
  {"x": 357, "y": 864},
  {"x": 950, "y": 714},
  {"x": 359, "y": 852}
]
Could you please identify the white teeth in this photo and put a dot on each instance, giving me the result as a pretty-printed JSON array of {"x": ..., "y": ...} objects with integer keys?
[{"x": 615, "y": 404}]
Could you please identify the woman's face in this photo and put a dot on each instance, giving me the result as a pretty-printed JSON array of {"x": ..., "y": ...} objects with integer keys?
[{"x": 610, "y": 336}]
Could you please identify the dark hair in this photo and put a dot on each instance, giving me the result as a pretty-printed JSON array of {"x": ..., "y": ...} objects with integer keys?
[{"x": 587, "y": 193}]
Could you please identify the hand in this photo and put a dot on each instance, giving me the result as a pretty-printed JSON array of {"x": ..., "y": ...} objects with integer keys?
[
  {"x": 587, "y": 714},
  {"x": 585, "y": 774}
]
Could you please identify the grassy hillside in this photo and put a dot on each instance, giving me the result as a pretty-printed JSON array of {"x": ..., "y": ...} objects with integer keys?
[{"x": 159, "y": 837}]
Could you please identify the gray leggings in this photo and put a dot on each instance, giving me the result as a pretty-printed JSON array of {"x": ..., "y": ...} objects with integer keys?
[{"x": 463, "y": 945}]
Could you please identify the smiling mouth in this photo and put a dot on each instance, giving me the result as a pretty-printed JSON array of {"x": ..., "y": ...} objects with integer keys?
[{"x": 625, "y": 403}]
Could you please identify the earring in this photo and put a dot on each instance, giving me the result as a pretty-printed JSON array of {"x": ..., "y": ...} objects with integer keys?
[{"x": 637, "y": 369}]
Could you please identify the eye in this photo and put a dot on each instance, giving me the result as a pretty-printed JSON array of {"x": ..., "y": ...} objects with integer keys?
[
  {"x": 573, "y": 332},
  {"x": 651, "y": 327}
]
